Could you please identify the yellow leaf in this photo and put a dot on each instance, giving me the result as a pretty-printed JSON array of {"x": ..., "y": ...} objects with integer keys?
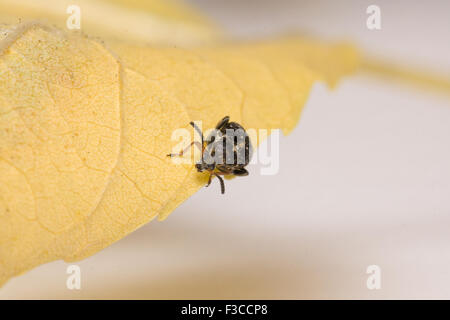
[
  {"x": 422, "y": 79},
  {"x": 84, "y": 131},
  {"x": 262, "y": 85}
]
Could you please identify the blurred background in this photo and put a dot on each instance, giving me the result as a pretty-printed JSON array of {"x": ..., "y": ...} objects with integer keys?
[{"x": 364, "y": 180}]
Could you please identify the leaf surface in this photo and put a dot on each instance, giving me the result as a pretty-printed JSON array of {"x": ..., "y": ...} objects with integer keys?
[{"x": 84, "y": 130}]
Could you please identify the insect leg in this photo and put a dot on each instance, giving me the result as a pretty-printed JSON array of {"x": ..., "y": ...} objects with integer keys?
[
  {"x": 209, "y": 180},
  {"x": 222, "y": 184},
  {"x": 198, "y": 144},
  {"x": 198, "y": 130},
  {"x": 240, "y": 172}
]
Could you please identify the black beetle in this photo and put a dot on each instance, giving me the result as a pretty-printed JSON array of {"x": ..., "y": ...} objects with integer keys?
[{"x": 226, "y": 151}]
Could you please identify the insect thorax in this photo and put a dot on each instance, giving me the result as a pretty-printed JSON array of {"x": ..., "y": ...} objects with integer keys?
[{"x": 228, "y": 148}]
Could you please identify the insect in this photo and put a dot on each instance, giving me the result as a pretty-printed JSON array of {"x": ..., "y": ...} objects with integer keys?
[{"x": 226, "y": 151}]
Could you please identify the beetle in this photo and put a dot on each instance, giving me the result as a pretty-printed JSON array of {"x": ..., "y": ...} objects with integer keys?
[{"x": 226, "y": 151}]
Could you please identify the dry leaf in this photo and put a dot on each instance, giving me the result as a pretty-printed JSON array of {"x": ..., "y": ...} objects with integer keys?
[{"x": 84, "y": 130}]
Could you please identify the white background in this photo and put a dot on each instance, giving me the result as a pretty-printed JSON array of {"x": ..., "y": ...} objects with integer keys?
[{"x": 364, "y": 179}]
